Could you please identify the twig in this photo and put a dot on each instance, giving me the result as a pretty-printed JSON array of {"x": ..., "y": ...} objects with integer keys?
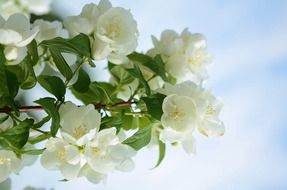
[{"x": 39, "y": 108}]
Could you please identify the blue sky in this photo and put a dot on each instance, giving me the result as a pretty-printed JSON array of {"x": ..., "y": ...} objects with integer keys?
[{"x": 249, "y": 42}]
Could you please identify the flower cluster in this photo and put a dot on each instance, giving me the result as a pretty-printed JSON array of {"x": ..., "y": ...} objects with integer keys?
[
  {"x": 158, "y": 96},
  {"x": 185, "y": 54},
  {"x": 83, "y": 150},
  {"x": 186, "y": 108},
  {"x": 113, "y": 30}
]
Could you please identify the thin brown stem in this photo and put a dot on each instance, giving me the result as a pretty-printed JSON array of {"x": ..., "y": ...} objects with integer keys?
[{"x": 38, "y": 108}]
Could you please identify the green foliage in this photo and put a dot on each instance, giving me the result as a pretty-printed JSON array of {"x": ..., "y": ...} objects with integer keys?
[
  {"x": 9, "y": 84},
  {"x": 136, "y": 72},
  {"x": 120, "y": 74},
  {"x": 25, "y": 73},
  {"x": 161, "y": 155},
  {"x": 61, "y": 63},
  {"x": 155, "y": 64},
  {"x": 49, "y": 105},
  {"x": 154, "y": 105},
  {"x": 140, "y": 139},
  {"x": 3, "y": 119},
  {"x": 17, "y": 136},
  {"x": 83, "y": 82},
  {"x": 33, "y": 52},
  {"x": 98, "y": 92},
  {"x": 79, "y": 45},
  {"x": 54, "y": 85},
  {"x": 109, "y": 122}
]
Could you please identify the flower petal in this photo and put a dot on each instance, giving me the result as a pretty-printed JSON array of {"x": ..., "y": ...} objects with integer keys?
[
  {"x": 188, "y": 144},
  {"x": 70, "y": 171},
  {"x": 49, "y": 160},
  {"x": 92, "y": 175},
  {"x": 28, "y": 37},
  {"x": 9, "y": 37},
  {"x": 19, "y": 23},
  {"x": 72, "y": 154}
]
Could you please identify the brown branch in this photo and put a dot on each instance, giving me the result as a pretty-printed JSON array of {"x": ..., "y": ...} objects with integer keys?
[{"x": 38, "y": 108}]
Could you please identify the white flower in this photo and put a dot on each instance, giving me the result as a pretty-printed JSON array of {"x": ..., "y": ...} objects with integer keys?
[
  {"x": 86, "y": 22},
  {"x": 91, "y": 175},
  {"x": 105, "y": 153},
  {"x": 179, "y": 120},
  {"x": 210, "y": 124},
  {"x": 185, "y": 54},
  {"x": 79, "y": 124},
  {"x": 48, "y": 30},
  {"x": 8, "y": 8},
  {"x": 38, "y": 7},
  {"x": 60, "y": 155},
  {"x": 9, "y": 163},
  {"x": 81, "y": 24},
  {"x": 6, "y": 122},
  {"x": 112, "y": 30},
  {"x": 117, "y": 30},
  {"x": 15, "y": 33},
  {"x": 179, "y": 113}
]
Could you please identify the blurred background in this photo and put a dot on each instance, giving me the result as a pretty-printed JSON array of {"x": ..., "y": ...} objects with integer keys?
[{"x": 248, "y": 39}]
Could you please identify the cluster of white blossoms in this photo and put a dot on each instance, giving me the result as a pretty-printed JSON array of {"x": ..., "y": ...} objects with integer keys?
[
  {"x": 84, "y": 149},
  {"x": 185, "y": 54},
  {"x": 113, "y": 30},
  {"x": 160, "y": 93},
  {"x": 38, "y": 7},
  {"x": 189, "y": 107}
]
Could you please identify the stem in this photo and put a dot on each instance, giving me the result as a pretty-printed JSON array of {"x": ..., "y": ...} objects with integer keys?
[
  {"x": 39, "y": 108},
  {"x": 40, "y": 131},
  {"x": 22, "y": 109}
]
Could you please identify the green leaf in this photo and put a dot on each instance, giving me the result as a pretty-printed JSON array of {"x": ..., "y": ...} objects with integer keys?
[
  {"x": 162, "y": 149},
  {"x": 139, "y": 57},
  {"x": 61, "y": 63},
  {"x": 120, "y": 74},
  {"x": 134, "y": 122},
  {"x": 83, "y": 82},
  {"x": 99, "y": 92},
  {"x": 42, "y": 122},
  {"x": 109, "y": 122},
  {"x": 25, "y": 73},
  {"x": 12, "y": 84},
  {"x": 9, "y": 84},
  {"x": 154, "y": 105},
  {"x": 33, "y": 151},
  {"x": 54, "y": 85},
  {"x": 33, "y": 52},
  {"x": 136, "y": 72},
  {"x": 49, "y": 105},
  {"x": 39, "y": 138},
  {"x": 155, "y": 64},
  {"x": 17, "y": 136},
  {"x": 3, "y": 119},
  {"x": 79, "y": 45},
  {"x": 140, "y": 139}
]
